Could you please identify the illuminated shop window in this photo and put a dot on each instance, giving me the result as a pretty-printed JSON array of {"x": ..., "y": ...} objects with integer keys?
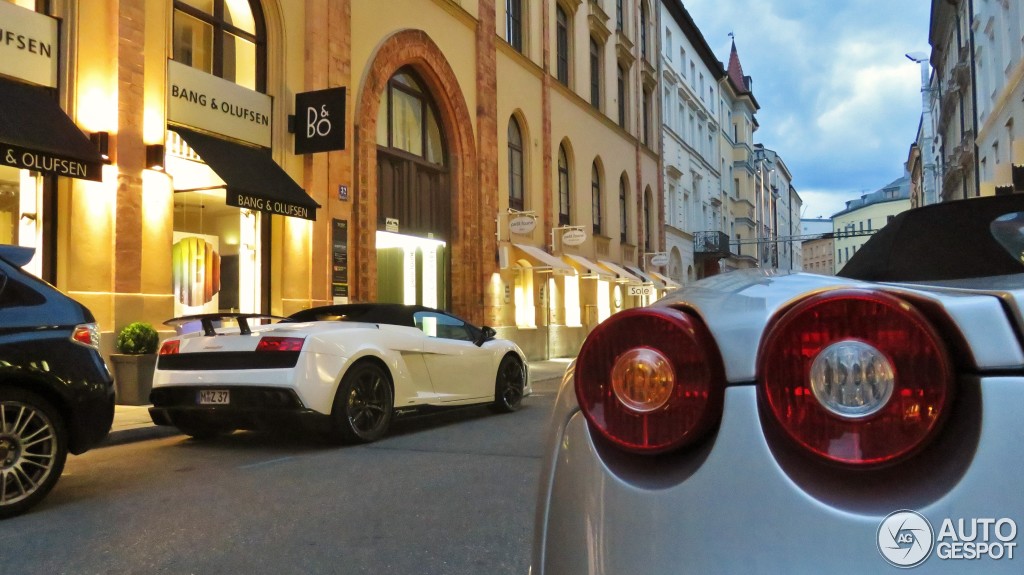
[
  {"x": 525, "y": 311},
  {"x": 604, "y": 300},
  {"x": 226, "y": 38},
  {"x": 21, "y": 200},
  {"x": 572, "y": 301}
]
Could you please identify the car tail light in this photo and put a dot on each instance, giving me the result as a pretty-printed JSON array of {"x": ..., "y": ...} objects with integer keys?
[
  {"x": 280, "y": 344},
  {"x": 856, "y": 377},
  {"x": 650, "y": 380},
  {"x": 87, "y": 334},
  {"x": 170, "y": 347}
]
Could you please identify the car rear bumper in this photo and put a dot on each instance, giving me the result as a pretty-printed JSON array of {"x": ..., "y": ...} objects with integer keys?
[
  {"x": 748, "y": 502},
  {"x": 91, "y": 414},
  {"x": 254, "y": 408}
]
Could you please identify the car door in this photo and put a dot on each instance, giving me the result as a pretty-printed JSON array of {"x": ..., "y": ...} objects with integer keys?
[{"x": 459, "y": 369}]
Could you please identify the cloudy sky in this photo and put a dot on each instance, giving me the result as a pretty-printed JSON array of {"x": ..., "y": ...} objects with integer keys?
[{"x": 840, "y": 101}]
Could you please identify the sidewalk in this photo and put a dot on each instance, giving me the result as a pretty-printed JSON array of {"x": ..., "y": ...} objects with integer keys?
[{"x": 132, "y": 422}]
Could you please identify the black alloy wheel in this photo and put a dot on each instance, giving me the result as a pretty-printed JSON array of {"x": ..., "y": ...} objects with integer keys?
[
  {"x": 509, "y": 385},
  {"x": 33, "y": 449},
  {"x": 363, "y": 405}
]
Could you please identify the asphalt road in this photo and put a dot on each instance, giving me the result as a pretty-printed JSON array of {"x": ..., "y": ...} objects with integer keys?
[{"x": 448, "y": 494}]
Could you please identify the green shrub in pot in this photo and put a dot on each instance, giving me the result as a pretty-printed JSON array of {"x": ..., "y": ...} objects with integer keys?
[{"x": 137, "y": 338}]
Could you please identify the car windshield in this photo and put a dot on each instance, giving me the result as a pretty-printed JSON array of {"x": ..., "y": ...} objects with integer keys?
[{"x": 1008, "y": 231}]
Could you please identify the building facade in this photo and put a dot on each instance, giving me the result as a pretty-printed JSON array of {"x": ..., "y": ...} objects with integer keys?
[
  {"x": 818, "y": 246},
  {"x": 862, "y": 217},
  {"x": 742, "y": 172},
  {"x": 269, "y": 155},
  {"x": 691, "y": 142}
]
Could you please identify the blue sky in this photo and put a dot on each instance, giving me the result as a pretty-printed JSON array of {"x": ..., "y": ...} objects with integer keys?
[{"x": 840, "y": 101}]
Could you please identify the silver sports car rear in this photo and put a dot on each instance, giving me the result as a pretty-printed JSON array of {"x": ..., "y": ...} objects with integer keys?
[{"x": 794, "y": 423}]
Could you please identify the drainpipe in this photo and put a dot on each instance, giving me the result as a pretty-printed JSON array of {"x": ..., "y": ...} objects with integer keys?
[{"x": 974, "y": 99}]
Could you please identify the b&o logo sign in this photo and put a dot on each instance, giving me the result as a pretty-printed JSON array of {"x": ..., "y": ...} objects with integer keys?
[{"x": 320, "y": 121}]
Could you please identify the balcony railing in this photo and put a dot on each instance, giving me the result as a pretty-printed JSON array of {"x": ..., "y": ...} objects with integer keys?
[{"x": 711, "y": 244}]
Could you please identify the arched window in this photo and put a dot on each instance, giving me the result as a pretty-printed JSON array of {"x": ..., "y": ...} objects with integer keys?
[
  {"x": 412, "y": 177},
  {"x": 515, "y": 165},
  {"x": 644, "y": 20},
  {"x": 406, "y": 120},
  {"x": 623, "y": 94},
  {"x": 623, "y": 206},
  {"x": 562, "y": 44},
  {"x": 226, "y": 38},
  {"x": 595, "y": 196},
  {"x": 564, "y": 197},
  {"x": 514, "y": 23}
]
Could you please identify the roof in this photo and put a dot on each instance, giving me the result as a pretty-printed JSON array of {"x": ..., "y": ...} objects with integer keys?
[
  {"x": 685, "y": 21},
  {"x": 386, "y": 313},
  {"x": 898, "y": 189},
  {"x": 736, "y": 71}
]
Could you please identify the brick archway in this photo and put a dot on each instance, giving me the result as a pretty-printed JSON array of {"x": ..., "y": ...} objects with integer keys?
[{"x": 414, "y": 49}]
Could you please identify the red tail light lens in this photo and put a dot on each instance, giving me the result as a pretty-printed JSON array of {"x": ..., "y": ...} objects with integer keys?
[
  {"x": 650, "y": 380},
  {"x": 856, "y": 377},
  {"x": 170, "y": 347},
  {"x": 87, "y": 334},
  {"x": 280, "y": 344}
]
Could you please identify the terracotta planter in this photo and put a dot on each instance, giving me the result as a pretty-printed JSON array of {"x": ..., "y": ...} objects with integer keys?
[{"x": 133, "y": 377}]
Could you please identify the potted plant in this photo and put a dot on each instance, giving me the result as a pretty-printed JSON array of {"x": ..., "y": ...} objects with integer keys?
[{"x": 134, "y": 363}]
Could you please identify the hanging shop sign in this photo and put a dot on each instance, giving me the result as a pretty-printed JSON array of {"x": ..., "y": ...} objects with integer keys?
[
  {"x": 320, "y": 121},
  {"x": 201, "y": 100},
  {"x": 28, "y": 45},
  {"x": 659, "y": 259},
  {"x": 522, "y": 225},
  {"x": 574, "y": 237}
]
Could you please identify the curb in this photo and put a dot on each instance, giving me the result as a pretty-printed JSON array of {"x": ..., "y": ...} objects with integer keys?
[{"x": 135, "y": 434}]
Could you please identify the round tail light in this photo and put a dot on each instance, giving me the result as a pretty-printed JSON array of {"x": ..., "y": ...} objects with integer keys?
[
  {"x": 856, "y": 377},
  {"x": 650, "y": 380}
]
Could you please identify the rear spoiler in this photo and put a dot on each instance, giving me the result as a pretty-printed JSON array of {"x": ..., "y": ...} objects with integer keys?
[{"x": 207, "y": 321}]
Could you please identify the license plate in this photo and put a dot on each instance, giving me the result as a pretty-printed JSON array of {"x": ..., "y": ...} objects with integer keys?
[{"x": 214, "y": 397}]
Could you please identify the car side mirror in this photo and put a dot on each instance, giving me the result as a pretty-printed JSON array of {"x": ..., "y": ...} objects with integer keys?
[{"x": 486, "y": 334}]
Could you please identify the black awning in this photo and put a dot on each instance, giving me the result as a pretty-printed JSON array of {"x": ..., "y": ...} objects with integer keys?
[
  {"x": 253, "y": 178},
  {"x": 35, "y": 134}
]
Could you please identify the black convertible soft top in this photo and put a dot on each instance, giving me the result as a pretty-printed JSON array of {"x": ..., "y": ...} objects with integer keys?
[
  {"x": 386, "y": 313},
  {"x": 947, "y": 241}
]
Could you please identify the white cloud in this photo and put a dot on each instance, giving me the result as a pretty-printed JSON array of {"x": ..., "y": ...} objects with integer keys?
[{"x": 839, "y": 101}]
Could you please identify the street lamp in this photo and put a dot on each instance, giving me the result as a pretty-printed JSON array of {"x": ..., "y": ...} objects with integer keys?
[{"x": 930, "y": 181}]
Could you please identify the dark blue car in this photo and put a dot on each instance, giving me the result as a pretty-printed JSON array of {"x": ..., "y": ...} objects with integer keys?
[{"x": 56, "y": 394}]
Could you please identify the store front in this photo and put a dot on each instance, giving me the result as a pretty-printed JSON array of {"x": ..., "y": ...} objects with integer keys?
[
  {"x": 217, "y": 153},
  {"x": 40, "y": 146},
  {"x": 226, "y": 187}
]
